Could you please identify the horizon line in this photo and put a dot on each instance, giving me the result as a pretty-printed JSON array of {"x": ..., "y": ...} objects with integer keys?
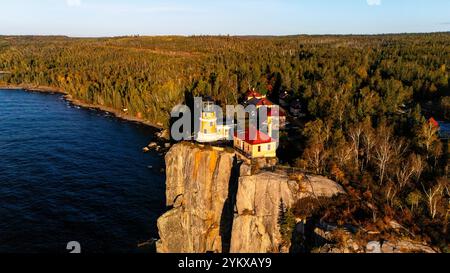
[{"x": 224, "y": 35}]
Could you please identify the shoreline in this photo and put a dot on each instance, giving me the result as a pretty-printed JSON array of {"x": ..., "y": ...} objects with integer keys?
[
  {"x": 159, "y": 133},
  {"x": 52, "y": 90}
]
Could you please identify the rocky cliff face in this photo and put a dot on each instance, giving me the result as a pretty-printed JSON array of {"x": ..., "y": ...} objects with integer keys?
[
  {"x": 255, "y": 226},
  {"x": 219, "y": 207},
  {"x": 197, "y": 187}
]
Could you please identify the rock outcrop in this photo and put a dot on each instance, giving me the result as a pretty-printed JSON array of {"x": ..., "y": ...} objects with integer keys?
[
  {"x": 329, "y": 238},
  {"x": 398, "y": 246},
  {"x": 392, "y": 246},
  {"x": 219, "y": 207},
  {"x": 197, "y": 187},
  {"x": 255, "y": 226}
]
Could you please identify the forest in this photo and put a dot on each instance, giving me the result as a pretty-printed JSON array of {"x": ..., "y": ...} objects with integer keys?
[{"x": 367, "y": 101}]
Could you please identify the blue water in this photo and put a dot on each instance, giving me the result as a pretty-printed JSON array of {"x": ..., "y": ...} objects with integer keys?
[{"x": 70, "y": 174}]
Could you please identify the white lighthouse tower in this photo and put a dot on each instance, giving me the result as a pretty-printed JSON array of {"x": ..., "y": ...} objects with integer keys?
[
  {"x": 209, "y": 130},
  {"x": 208, "y": 123}
]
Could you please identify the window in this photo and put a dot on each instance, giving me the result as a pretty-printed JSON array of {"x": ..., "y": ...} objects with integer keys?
[
  {"x": 259, "y": 148},
  {"x": 205, "y": 131},
  {"x": 211, "y": 124},
  {"x": 268, "y": 147}
]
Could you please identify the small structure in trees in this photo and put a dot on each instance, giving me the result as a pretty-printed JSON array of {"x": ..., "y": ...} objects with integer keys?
[
  {"x": 434, "y": 123},
  {"x": 253, "y": 94}
]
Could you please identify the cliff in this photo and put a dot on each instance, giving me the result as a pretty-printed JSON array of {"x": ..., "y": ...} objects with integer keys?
[
  {"x": 197, "y": 189},
  {"x": 255, "y": 226},
  {"x": 217, "y": 206}
]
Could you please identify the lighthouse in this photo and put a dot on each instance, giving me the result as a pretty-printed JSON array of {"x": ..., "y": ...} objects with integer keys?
[
  {"x": 208, "y": 123},
  {"x": 209, "y": 130}
]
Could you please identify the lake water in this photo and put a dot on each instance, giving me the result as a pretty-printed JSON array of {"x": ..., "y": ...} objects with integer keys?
[{"x": 71, "y": 174}]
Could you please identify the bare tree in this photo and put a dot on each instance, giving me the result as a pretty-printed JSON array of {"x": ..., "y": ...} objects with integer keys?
[
  {"x": 355, "y": 134},
  {"x": 368, "y": 143},
  {"x": 343, "y": 154},
  {"x": 315, "y": 156},
  {"x": 318, "y": 134},
  {"x": 433, "y": 196},
  {"x": 404, "y": 174},
  {"x": 436, "y": 152},
  {"x": 391, "y": 193},
  {"x": 412, "y": 166},
  {"x": 428, "y": 137},
  {"x": 386, "y": 150},
  {"x": 418, "y": 165}
]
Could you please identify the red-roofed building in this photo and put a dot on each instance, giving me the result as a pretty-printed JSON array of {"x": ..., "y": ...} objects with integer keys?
[
  {"x": 255, "y": 143},
  {"x": 264, "y": 102},
  {"x": 252, "y": 94},
  {"x": 258, "y": 103},
  {"x": 433, "y": 122}
]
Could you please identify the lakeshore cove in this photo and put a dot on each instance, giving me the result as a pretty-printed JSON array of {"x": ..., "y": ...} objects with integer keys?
[{"x": 69, "y": 173}]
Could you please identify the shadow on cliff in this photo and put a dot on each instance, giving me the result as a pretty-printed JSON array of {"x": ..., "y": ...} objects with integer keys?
[
  {"x": 186, "y": 132},
  {"x": 305, "y": 238},
  {"x": 226, "y": 219}
]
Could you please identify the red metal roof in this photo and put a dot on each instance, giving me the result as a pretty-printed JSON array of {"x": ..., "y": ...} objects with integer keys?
[
  {"x": 264, "y": 101},
  {"x": 433, "y": 122},
  {"x": 253, "y": 94},
  {"x": 257, "y": 137}
]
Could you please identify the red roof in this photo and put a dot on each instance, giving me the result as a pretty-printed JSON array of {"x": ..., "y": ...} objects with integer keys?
[
  {"x": 257, "y": 137},
  {"x": 433, "y": 122},
  {"x": 264, "y": 101},
  {"x": 253, "y": 94}
]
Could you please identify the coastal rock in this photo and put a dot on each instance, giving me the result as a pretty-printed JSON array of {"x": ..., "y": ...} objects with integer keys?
[
  {"x": 164, "y": 134},
  {"x": 152, "y": 145},
  {"x": 255, "y": 226},
  {"x": 406, "y": 246},
  {"x": 197, "y": 187},
  {"x": 350, "y": 245},
  {"x": 373, "y": 247},
  {"x": 219, "y": 206}
]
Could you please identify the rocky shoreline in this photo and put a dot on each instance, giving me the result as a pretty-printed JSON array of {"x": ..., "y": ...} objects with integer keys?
[{"x": 161, "y": 135}]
